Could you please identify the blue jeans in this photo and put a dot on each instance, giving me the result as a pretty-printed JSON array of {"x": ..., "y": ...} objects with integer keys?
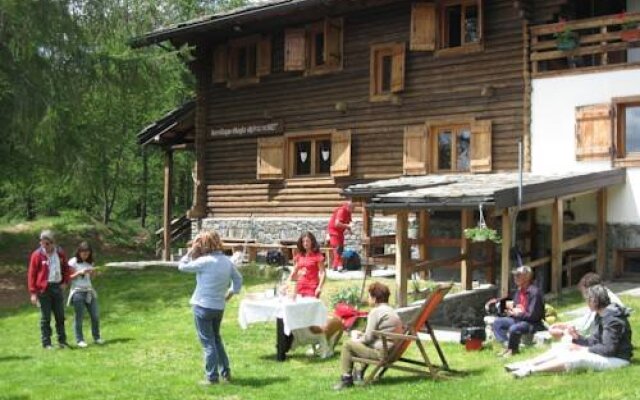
[
  {"x": 208, "y": 327},
  {"x": 509, "y": 330},
  {"x": 52, "y": 300},
  {"x": 79, "y": 301}
]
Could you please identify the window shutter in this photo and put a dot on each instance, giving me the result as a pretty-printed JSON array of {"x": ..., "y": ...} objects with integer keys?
[
  {"x": 480, "y": 146},
  {"x": 220, "y": 64},
  {"x": 270, "y": 158},
  {"x": 341, "y": 153},
  {"x": 423, "y": 27},
  {"x": 397, "y": 73},
  {"x": 415, "y": 150},
  {"x": 294, "y": 50},
  {"x": 264, "y": 56},
  {"x": 333, "y": 42},
  {"x": 593, "y": 132}
]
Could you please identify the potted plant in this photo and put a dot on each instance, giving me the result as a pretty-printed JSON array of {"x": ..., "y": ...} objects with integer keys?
[
  {"x": 630, "y": 32},
  {"x": 567, "y": 40},
  {"x": 482, "y": 233}
]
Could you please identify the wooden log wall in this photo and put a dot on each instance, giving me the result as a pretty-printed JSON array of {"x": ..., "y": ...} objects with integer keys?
[{"x": 447, "y": 87}]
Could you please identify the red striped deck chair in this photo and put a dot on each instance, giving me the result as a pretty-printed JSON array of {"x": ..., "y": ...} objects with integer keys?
[{"x": 393, "y": 352}]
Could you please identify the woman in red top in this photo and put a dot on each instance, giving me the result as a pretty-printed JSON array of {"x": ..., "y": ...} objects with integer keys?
[{"x": 308, "y": 268}]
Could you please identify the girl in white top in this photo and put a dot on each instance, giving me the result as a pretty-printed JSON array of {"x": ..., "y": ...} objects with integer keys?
[{"x": 82, "y": 294}]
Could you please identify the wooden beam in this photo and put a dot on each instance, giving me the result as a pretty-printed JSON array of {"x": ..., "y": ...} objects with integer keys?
[
  {"x": 167, "y": 205},
  {"x": 579, "y": 241},
  {"x": 538, "y": 262},
  {"x": 601, "y": 231},
  {"x": 466, "y": 273},
  {"x": 557, "y": 234},
  {"x": 402, "y": 253},
  {"x": 506, "y": 249},
  {"x": 441, "y": 262},
  {"x": 586, "y": 192}
]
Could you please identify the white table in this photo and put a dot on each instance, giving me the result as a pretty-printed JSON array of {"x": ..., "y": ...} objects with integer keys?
[{"x": 302, "y": 312}]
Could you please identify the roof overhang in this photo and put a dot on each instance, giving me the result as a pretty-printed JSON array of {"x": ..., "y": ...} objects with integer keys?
[
  {"x": 498, "y": 190},
  {"x": 175, "y": 128},
  {"x": 253, "y": 18}
]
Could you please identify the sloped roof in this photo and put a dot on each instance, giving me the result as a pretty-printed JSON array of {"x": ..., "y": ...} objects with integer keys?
[
  {"x": 175, "y": 127},
  {"x": 469, "y": 190}
]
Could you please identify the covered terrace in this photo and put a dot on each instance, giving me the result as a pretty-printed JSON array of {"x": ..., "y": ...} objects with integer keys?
[{"x": 502, "y": 196}]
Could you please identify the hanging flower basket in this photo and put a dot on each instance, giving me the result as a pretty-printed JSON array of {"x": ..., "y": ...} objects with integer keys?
[{"x": 482, "y": 234}]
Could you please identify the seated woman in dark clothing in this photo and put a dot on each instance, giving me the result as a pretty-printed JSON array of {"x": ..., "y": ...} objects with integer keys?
[
  {"x": 609, "y": 345},
  {"x": 524, "y": 313}
]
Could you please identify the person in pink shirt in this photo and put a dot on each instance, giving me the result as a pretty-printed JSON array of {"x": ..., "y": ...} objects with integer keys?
[
  {"x": 308, "y": 270},
  {"x": 339, "y": 223}
]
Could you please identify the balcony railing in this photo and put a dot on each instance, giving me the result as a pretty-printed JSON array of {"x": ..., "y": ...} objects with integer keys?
[{"x": 600, "y": 42}]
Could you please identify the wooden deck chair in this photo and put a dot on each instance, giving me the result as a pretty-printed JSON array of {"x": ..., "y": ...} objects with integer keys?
[{"x": 393, "y": 354}]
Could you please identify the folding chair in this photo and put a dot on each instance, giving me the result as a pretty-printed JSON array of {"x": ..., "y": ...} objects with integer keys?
[{"x": 393, "y": 354}]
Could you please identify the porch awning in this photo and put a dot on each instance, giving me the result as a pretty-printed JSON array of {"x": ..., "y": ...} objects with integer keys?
[
  {"x": 176, "y": 127},
  {"x": 499, "y": 190}
]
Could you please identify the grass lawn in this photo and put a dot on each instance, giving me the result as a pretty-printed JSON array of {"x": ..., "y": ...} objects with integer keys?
[{"x": 152, "y": 353}]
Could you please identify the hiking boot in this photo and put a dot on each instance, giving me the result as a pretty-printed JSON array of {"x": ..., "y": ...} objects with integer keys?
[
  {"x": 82, "y": 344},
  {"x": 226, "y": 377},
  {"x": 47, "y": 347},
  {"x": 99, "y": 341},
  {"x": 345, "y": 382}
]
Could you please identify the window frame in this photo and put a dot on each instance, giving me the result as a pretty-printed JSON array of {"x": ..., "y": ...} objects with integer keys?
[
  {"x": 443, "y": 47},
  {"x": 311, "y": 31},
  {"x": 622, "y": 157},
  {"x": 377, "y": 54},
  {"x": 455, "y": 128},
  {"x": 233, "y": 67},
  {"x": 314, "y": 137}
]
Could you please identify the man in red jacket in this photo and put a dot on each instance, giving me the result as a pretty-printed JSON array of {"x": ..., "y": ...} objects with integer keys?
[
  {"x": 47, "y": 276},
  {"x": 339, "y": 222}
]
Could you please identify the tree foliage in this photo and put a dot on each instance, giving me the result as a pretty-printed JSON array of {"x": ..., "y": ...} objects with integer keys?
[{"x": 73, "y": 96}]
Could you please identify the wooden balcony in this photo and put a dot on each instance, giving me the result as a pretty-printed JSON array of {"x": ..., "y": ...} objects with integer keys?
[{"x": 602, "y": 43}]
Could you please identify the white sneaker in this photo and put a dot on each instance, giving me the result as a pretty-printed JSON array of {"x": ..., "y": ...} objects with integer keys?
[
  {"x": 521, "y": 373},
  {"x": 82, "y": 344},
  {"x": 99, "y": 341}
]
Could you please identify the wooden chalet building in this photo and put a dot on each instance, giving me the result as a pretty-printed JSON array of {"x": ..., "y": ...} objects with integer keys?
[{"x": 299, "y": 100}]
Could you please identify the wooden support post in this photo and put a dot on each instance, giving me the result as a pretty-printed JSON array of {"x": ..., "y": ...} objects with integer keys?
[
  {"x": 490, "y": 247},
  {"x": 402, "y": 253},
  {"x": 506, "y": 249},
  {"x": 466, "y": 273},
  {"x": 423, "y": 234},
  {"x": 167, "y": 209},
  {"x": 366, "y": 229},
  {"x": 601, "y": 260},
  {"x": 557, "y": 234}
]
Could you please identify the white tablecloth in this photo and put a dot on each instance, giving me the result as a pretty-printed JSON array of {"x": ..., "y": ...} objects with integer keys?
[{"x": 300, "y": 313}]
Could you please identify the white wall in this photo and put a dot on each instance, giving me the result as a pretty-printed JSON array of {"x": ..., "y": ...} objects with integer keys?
[{"x": 553, "y": 104}]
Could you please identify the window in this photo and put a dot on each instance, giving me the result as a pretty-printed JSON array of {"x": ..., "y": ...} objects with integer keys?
[
  {"x": 595, "y": 139},
  {"x": 249, "y": 59},
  {"x": 447, "y": 147},
  {"x": 387, "y": 70},
  {"x": 461, "y": 23},
  {"x": 324, "y": 46},
  {"x": 452, "y": 148},
  {"x": 628, "y": 128},
  {"x": 311, "y": 157}
]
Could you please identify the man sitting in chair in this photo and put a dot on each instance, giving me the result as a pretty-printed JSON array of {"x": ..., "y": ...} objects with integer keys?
[
  {"x": 381, "y": 318},
  {"x": 524, "y": 312}
]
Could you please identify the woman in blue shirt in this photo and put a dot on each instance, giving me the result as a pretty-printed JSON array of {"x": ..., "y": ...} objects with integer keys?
[{"x": 217, "y": 280}]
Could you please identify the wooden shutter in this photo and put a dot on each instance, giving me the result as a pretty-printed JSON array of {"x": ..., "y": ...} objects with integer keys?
[
  {"x": 593, "y": 132},
  {"x": 294, "y": 50},
  {"x": 333, "y": 42},
  {"x": 423, "y": 27},
  {"x": 397, "y": 68},
  {"x": 270, "y": 158},
  {"x": 264, "y": 56},
  {"x": 415, "y": 150},
  {"x": 481, "y": 146},
  {"x": 341, "y": 153},
  {"x": 220, "y": 64}
]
